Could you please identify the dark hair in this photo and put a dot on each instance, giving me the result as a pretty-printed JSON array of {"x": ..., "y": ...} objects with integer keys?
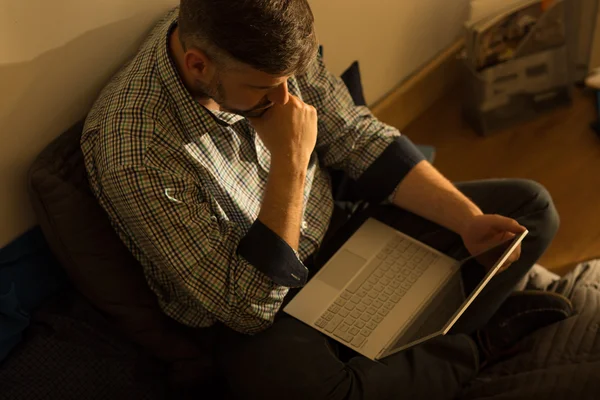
[{"x": 273, "y": 36}]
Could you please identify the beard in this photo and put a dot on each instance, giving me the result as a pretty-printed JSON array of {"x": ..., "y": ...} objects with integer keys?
[{"x": 216, "y": 91}]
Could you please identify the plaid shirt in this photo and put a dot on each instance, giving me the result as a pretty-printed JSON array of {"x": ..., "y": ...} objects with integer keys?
[{"x": 183, "y": 186}]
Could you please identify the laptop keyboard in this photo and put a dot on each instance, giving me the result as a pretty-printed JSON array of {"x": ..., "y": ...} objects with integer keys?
[{"x": 360, "y": 308}]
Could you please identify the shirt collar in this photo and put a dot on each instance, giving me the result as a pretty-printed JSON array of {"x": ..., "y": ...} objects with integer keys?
[{"x": 227, "y": 117}]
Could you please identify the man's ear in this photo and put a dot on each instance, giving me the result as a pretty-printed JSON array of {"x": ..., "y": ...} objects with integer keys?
[{"x": 199, "y": 65}]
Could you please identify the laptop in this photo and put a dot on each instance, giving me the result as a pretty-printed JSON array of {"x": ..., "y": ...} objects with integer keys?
[{"x": 383, "y": 291}]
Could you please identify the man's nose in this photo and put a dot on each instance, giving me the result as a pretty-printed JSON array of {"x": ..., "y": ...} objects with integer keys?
[{"x": 280, "y": 94}]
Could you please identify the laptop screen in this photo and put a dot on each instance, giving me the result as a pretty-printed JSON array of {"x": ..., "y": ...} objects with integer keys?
[{"x": 456, "y": 294}]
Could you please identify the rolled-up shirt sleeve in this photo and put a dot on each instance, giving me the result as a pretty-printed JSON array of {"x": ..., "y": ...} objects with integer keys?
[
  {"x": 271, "y": 255},
  {"x": 350, "y": 138},
  {"x": 199, "y": 261}
]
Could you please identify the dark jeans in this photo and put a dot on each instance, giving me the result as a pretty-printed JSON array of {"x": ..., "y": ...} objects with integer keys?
[{"x": 293, "y": 361}]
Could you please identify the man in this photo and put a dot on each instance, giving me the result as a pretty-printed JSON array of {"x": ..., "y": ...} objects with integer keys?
[{"x": 210, "y": 152}]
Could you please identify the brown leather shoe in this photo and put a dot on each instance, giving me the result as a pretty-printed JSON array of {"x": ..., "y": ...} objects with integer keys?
[{"x": 520, "y": 315}]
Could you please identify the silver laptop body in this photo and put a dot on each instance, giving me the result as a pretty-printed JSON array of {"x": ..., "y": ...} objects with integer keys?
[{"x": 383, "y": 291}]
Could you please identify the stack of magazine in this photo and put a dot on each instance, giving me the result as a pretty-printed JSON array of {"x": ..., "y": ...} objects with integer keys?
[
  {"x": 501, "y": 30},
  {"x": 516, "y": 61}
]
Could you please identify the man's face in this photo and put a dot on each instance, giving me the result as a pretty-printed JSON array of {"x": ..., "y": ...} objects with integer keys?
[{"x": 246, "y": 92}]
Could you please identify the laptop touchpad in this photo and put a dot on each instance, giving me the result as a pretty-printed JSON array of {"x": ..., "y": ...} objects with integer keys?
[{"x": 341, "y": 269}]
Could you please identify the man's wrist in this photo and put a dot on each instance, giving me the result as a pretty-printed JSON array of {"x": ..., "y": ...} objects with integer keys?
[
  {"x": 288, "y": 169},
  {"x": 472, "y": 212}
]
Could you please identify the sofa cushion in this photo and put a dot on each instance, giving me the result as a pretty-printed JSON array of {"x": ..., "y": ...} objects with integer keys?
[
  {"x": 98, "y": 263},
  {"x": 353, "y": 81},
  {"x": 29, "y": 275},
  {"x": 71, "y": 352}
]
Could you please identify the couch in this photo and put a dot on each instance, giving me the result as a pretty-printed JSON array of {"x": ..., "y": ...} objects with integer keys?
[{"x": 104, "y": 337}]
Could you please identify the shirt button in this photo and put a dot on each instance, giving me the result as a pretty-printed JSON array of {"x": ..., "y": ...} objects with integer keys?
[{"x": 304, "y": 225}]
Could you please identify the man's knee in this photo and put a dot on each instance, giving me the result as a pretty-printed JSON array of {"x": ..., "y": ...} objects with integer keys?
[
  {"x": 522, "y": 199},
  {"x": 536, "y": 203}
]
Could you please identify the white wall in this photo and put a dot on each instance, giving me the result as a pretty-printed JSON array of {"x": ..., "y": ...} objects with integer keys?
[
  {"x": 56, "y": 55},
  {"x": 390, "y": 38},
  {"x": 54, "y": 58}
]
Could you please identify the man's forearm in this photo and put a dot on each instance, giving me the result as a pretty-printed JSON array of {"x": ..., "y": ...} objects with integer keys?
[
  {"x": 283, "y": 202},
  {"x": 425, "y": 192}
]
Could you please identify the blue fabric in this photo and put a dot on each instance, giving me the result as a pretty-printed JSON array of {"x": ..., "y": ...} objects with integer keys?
[
  {"x": 13, "y": 321},
  {"x": 29, "y": 274}
]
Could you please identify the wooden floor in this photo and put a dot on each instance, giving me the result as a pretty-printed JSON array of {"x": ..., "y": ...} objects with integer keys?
[{"x": 558, "y": 150}]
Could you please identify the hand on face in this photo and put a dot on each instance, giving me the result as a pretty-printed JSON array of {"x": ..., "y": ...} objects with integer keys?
[{"x": 289, "y": 131}]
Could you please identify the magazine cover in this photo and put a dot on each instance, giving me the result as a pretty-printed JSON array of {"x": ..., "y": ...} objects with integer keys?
[
  {"x": 549, "y": 32},
  {"x": 499, "y": 38}
]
